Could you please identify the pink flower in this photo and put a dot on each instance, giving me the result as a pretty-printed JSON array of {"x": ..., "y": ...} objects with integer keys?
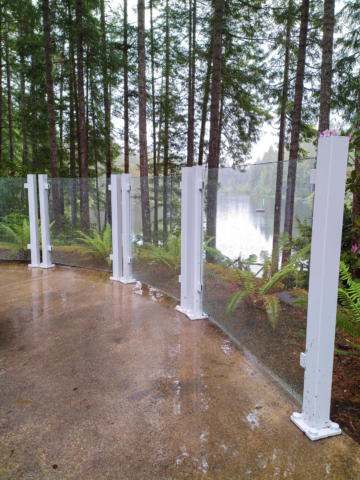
[
  {"x": 350, "y": 135},
  {"x": 321, "y": 136},
  {"x": 335, "y": 133},
  {"x": 326, "y": 133},
  {"x": 354, "y": 248}
]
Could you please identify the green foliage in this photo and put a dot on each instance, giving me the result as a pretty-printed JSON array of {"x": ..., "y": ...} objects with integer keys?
[
  {"x": 254, "y": 288},
  {"x": 98, "y": 245},
  {"x": 349, "y": 298},
  {"x": 18, "y": 235},
  {"x": 168, "y": 254}
]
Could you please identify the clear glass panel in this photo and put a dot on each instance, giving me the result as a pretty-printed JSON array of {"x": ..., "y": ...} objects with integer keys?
[
  {"x": 267, "y": 317},
  {"x": 14, "y": 220},
  {"x": 156, "y": 260},
  {"x": 80, "y": 222}
]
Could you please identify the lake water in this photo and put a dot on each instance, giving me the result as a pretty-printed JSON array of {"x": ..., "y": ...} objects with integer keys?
[{"x": 241, "y": 231}]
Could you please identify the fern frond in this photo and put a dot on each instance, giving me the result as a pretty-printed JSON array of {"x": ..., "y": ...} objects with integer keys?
[
  {"x": 346, "y": 324},
  {"x": 235, "y": 300},
  {"x": 286, "y": 269},
  {"x": 272, "y": 307}
]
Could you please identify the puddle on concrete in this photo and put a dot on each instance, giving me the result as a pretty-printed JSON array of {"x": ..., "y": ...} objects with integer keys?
[{"x": 151, "y": 293}]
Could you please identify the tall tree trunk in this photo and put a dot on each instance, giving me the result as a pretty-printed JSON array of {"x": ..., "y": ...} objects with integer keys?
[
  {"x": 145, "y": 200},
  {"x": 190, "y": 132},
  {"x": 280, "y": 163},
  {"x": 33, "y": 95},
  {"x": 61, "y": 128},
  {"x": 166, "y": 121},
  {"x": 126, "y": 91},
  {"x": 25, "y": 155},
  {"x": 72, "y": 125},
  {"x": 204, "y": 108},
  {"x": 106, "y": 107},
  {"x": 83, "y": 160},
  {"x": 296, "y": 122},
  {"x": 1, "y": 90},
  {"x": 95, "y": 154},
  {"x": 326, "y": 65},
  {"x": 9, "y": 96},
  {"x": 156, "y": 180},
  {"x": 51, "y": 115},
  {"x": 355, "y": 236},
  {"x": 213, "y": 162},
  {"x": 72, "y": 142}
]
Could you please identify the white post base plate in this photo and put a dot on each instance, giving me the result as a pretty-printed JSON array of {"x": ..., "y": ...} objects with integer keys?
[
  {"x": 122, "y": 280},
  {"x": 191, "y": 315},
  {"x": 47, "y": 266},
  {"x": 34, "y": 266},
  {"x": 314, "y": 433}
]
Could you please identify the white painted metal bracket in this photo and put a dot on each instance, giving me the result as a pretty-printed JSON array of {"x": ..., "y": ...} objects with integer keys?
[
  {"x": 34, "y": 247},
  {"x": 314, "y": 420},
  {"x": 126, "y": 228},
  {"x": 116, "y": 227},
  {"x": 45, "y": 222},
  {"x": 192, "y": 214}
]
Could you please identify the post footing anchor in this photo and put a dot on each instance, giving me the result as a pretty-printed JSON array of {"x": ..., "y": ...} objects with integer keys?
[
  {"x": 190, "y": 315},
  {"x": 122, "y": 280},
  {"x": 329, "y": 430}
]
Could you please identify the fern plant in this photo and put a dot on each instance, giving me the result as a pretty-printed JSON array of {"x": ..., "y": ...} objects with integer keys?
[
  {"x": 18, "y": 235},
  {"x": 348, "y": 317},
  {"x": 256, "y": 289},
  {"x": 168, "y": 254},
  {"x": 98, "y": 245}
]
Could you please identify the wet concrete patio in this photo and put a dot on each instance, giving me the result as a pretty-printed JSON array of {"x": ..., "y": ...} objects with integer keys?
[{"x": 104, "y": 381}]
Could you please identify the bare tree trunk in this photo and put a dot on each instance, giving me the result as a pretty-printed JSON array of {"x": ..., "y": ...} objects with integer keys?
[
  {"x": 51, "y": 115},
  {"x": 190, "y": 132},
  {"x": 156, "y": 180},
  {"x": 23, "y": 100},
  {"x": 216, "y": 84},
  {"x": 61, "y": 128},
  {"x": 355, "y": 237},
  {"x": 214, "y": 128},
  {"x": 106, "y": 108},
  {"x": 296, "y": 122},
  {"x": 326, "y": 65},
  {"x": 280, "y": 164},
  {"x": 72, "y": 141},
  {"x": 95, "y": 155},
  {"x": 72, "y": 126},
  {"x": 33, "y": 116},
  {"x": 126, "y": 92},
  {"x": 10, "y": 115},
  {"x": 83, "y": 160},
  {"x": 1, "y": 90},
  {"x": 166, "y": 122},
  {"x": 145, "y": 199},
  {"x": 204, "y": 109}
]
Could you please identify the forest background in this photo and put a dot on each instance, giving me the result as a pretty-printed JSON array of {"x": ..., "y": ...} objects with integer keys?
[{"x": 80, "y": 85}]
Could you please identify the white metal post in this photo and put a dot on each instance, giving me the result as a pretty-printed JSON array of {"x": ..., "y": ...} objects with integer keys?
[
  {"x": 116, "y": 255},
  {"x": 45, "y": 222},
  {"x": 31, "y": 186},
  {"x": 192, "y": 206},
  {"x": 126, "y": 228},
  {"x": 324, "y": 276}
]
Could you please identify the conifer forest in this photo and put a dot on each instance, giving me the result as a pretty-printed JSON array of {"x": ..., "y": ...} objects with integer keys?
[{"x": 182, "y": 83}]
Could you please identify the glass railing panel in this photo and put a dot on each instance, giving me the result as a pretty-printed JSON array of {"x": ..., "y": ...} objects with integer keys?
[
  {"x": 156, "y": 249},
  {"x": 263, "y": 310},
  {"x": 80, "y": 222},
  {"x": 14, "y": 220}
]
